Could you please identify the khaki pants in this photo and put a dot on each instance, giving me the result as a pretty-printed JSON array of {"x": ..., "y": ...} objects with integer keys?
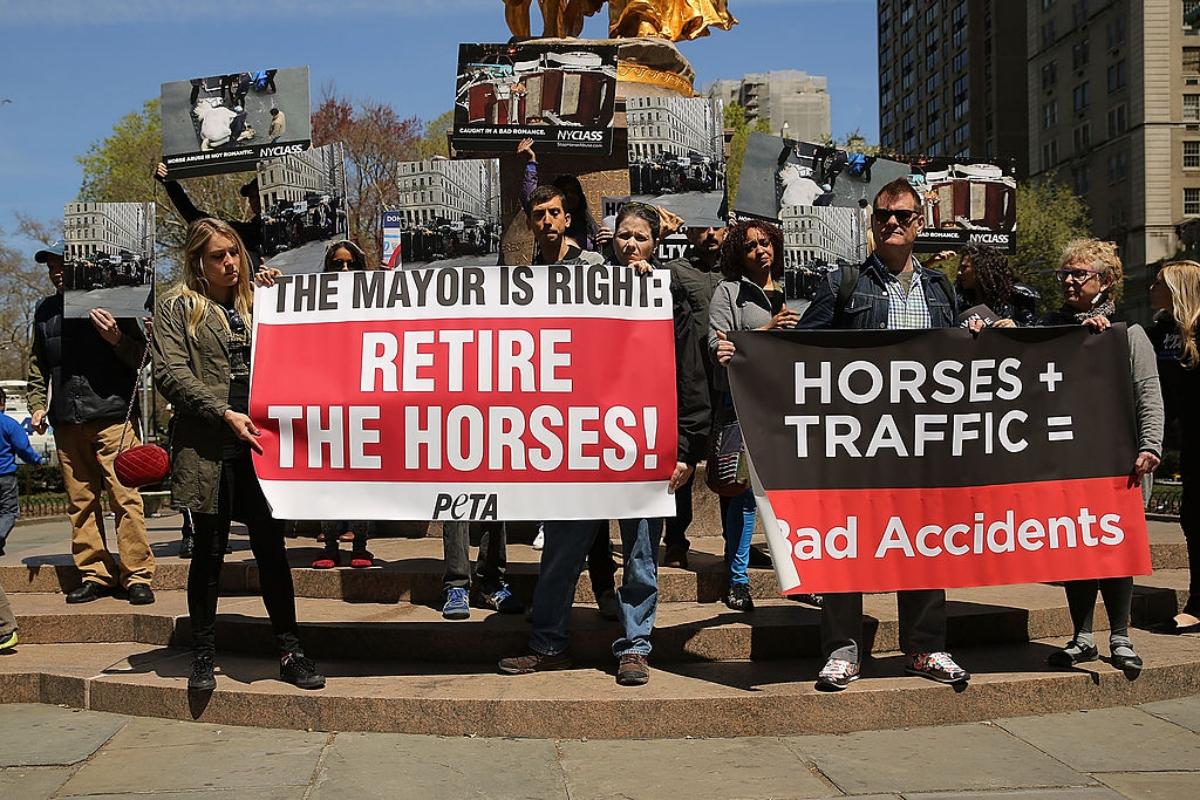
[{"x": 86, "y": 452}]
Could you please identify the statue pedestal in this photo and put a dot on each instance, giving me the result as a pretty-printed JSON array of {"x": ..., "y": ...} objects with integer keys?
[{"x": 647, "y": 67}]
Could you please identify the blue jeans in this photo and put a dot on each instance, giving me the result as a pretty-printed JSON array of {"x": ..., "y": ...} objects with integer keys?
[
  {"x": 566, "y": 546},
  {"x": 9, "y": 505},
  {"x": 739, "y": 528}
]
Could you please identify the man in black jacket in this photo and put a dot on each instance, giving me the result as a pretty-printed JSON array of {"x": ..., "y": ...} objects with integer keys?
[
  {"x": 891, "y": 291},
  {"x": 81, "y": 380}
]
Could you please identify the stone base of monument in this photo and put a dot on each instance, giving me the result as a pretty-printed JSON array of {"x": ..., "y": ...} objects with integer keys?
[{"x": 395, "y": 665}]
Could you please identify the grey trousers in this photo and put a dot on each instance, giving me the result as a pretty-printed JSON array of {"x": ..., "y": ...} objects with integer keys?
[
  {"x": 456, "y": 550},
  {"x": 8, "y": 622},
  {"x": 922, "y": 623}
]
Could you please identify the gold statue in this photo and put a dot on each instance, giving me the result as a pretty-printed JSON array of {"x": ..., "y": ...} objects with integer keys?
[{"x": 674, "y": 20}]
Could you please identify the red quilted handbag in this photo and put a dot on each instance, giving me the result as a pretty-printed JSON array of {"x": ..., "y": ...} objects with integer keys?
[{"x": 145, "y": 464}]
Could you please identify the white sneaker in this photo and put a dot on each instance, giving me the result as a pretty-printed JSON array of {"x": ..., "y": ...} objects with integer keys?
[
  {"x": 540, "y": 540},
  {"x": 836, "y": 675}
]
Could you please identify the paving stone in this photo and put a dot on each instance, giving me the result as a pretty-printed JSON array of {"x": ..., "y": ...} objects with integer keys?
[
  {"x": 367, "y": 766},
  {"x": 697, "y": 769},
  {"x": 1070, "y": 793},
  {"x": 195, "y": 756},
  {"x": 1184, "y": 711},
  {"x": 951, "y": 758},
  {"x": 1110, "y": 740},
  {"x": 258, "y": 793},
  {"x": 1154, "y": 785},
  {"x": 40, "y": 735},
  {"x": 32, "y": 783}
]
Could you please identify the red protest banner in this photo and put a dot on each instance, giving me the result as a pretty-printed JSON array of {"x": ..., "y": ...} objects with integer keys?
[
  {"x": 888, "y": 461},
  {"x": 501, "y": 393}
]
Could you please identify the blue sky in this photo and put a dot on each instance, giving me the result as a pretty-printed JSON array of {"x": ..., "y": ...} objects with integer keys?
[{"x": 73, "y": 67}]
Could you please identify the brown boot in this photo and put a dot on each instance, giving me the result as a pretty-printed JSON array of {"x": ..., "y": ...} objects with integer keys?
[
  {"x": 633, "y": 670},
  {"x": 534, "y": 662}
]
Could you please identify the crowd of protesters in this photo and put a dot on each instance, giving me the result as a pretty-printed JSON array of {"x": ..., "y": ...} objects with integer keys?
[{"x": 83, "y": 378}]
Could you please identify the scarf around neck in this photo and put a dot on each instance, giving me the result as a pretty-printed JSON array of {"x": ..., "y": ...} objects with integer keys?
[{"x": 1105, "y": 309}]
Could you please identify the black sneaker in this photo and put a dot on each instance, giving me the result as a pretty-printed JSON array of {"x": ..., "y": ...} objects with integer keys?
[
  {"x": 299, "y": 670},
  {"x": 202, "y": 679},
  {"x": 739, "y": 598}
]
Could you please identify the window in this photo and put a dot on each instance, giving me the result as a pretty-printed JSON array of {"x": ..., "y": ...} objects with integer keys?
[
  {"x": 1080, "y": 96},
  {"x": 932, "y": 131},
  {"x": 1079, "y": 12},
  {"x": 1049, "y": 75},
  {"x": 1116, "y": 76},
  {"x": 1049, "y": 154},
  {"x": 1115, "y": 32},
  {"x": 1118, "y": 166},
  {"x": 1048, "y": 35},
  {"x": 1191, "y": 155},
  {"x": 1079, "y": 54},
  {"x": 1191, "y": 107},
  {"x": 959, "y": 61},
  {"x": 1191, "y": 202},
  {"x": 1118, "y": 121},
  {"x": 932, "y": 83},
  {"x": 1080, "y": 180},
  {"x": 1191, "y": 60},
  {"x": 1190, "y": 8},
  {"x": 961, "y": 108},
  {"x": 1083, "y": 138},
  {"x": 1050, "y": 114},
  {"x": 962, "y": 134}
]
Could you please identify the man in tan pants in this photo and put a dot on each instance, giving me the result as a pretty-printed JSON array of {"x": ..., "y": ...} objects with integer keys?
[{"x": 81, "y": 380}]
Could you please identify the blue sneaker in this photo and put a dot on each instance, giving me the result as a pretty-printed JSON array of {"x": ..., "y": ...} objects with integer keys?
[
  {"x": 456, "y": 605},
  {"x": 502, "y": 600}
]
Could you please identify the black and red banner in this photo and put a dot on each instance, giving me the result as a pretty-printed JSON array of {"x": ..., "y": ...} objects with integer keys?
[{"x": 890, "y": 460}]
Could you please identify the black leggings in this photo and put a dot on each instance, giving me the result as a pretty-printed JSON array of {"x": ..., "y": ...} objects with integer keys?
[
  {"x": 240, "y": 497},
  {"x": 1189, "y": 520}
]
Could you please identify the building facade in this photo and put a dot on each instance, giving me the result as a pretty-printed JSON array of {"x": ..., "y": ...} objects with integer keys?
[
  {"x": 794, "y": 103},
  {"x": 321, "y": 171},
  {"x": 441, "y": 189},
  {"x": 108, "y": 228},
  {"x": 1115, "y": 112},
  {"x": 820, "y": 233},
  {"x": 678, "y": 126},
  {"x": 952, "y": 80}
]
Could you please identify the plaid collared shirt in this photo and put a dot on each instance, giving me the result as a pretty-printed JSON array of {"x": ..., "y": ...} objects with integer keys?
[{"x": 906, "y": 313}]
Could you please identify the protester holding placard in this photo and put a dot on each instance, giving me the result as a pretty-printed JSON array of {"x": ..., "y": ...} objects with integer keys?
[
  {"x": 567, "y": 542},
  {"x": 891, "y": 291},
  {"x": 202, "y": 352},
  {"x": 1175, "y": 297},
  {"x": 750, "y": 298},
  {"x": 345, "y": 256},
  {"x": 582, "y": 230},
  {"x": 249, "y": 230},
  {"x": 1090, "y": 272}
]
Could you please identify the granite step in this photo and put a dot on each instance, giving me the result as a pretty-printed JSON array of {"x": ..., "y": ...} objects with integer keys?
[
  {"x": 410, "y": 569},
  {"x": 684, "y": 631},
  {"x": 709, "y": 699}
]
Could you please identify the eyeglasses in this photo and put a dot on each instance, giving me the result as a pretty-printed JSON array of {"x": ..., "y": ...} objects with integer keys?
[
  {"x": 1077, "y": 274},
  {"x": 903, "y": 215}
]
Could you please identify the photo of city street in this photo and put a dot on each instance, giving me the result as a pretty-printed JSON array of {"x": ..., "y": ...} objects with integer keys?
[
  {"x": 450, "y": 212},
  {"x": 225, "y": 123},
  {"x": 108, "y": 258},
  {"x": 303, "y": 201}
]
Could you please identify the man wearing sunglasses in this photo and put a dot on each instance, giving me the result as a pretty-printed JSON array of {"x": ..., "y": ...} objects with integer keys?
[{"x": 891, "y": 291}]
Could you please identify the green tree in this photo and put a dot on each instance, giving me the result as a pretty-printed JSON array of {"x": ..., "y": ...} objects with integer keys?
[
  {"x": 735, "y": 119},
  {"x": 23, "y": 283},
  {"x": 434, "y": 141},
  {"x": 1049, "y": 215}
]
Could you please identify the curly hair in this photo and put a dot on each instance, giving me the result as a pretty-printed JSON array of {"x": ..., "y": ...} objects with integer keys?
[
  {"x": 1097, "y": 255},
  {"x": 993, "y": 277},
  {"x": 733, "y": 250}
]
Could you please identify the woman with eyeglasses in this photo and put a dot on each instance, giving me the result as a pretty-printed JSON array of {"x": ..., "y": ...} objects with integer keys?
[
  {"x": 202, "y": 367},
  {"x": 345, "y": 256},
  {"x": 1175, "y": 299},
  {"x": 1090, "y": 272},
  {"x": 750, "y": 298}
]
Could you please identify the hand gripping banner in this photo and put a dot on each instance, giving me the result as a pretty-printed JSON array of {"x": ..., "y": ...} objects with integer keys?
[
  {"x": 897, "y": 460},
  {"x": 505, "y": 393}
]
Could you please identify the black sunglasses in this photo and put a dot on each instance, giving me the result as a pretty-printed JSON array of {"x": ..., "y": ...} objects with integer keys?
[{"x": 902, "y": 215}]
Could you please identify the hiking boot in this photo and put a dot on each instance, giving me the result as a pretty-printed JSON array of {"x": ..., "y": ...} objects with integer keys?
[
  {"x": 534, "y": 662},
  {"x": 633, "y": 670}
]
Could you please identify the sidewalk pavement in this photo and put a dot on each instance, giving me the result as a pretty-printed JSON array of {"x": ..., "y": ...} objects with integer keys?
[{"x": 1150, "y": 751}]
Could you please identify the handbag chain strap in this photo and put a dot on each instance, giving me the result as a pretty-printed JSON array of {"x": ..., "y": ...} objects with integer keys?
[{"x": 137, "y": 381}]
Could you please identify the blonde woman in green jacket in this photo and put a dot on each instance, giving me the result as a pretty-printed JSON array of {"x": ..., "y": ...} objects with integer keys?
[{"x": 202, "y": 366}]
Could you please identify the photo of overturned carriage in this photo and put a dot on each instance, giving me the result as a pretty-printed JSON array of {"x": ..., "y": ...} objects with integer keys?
[{"x": 505, "y": 93}]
